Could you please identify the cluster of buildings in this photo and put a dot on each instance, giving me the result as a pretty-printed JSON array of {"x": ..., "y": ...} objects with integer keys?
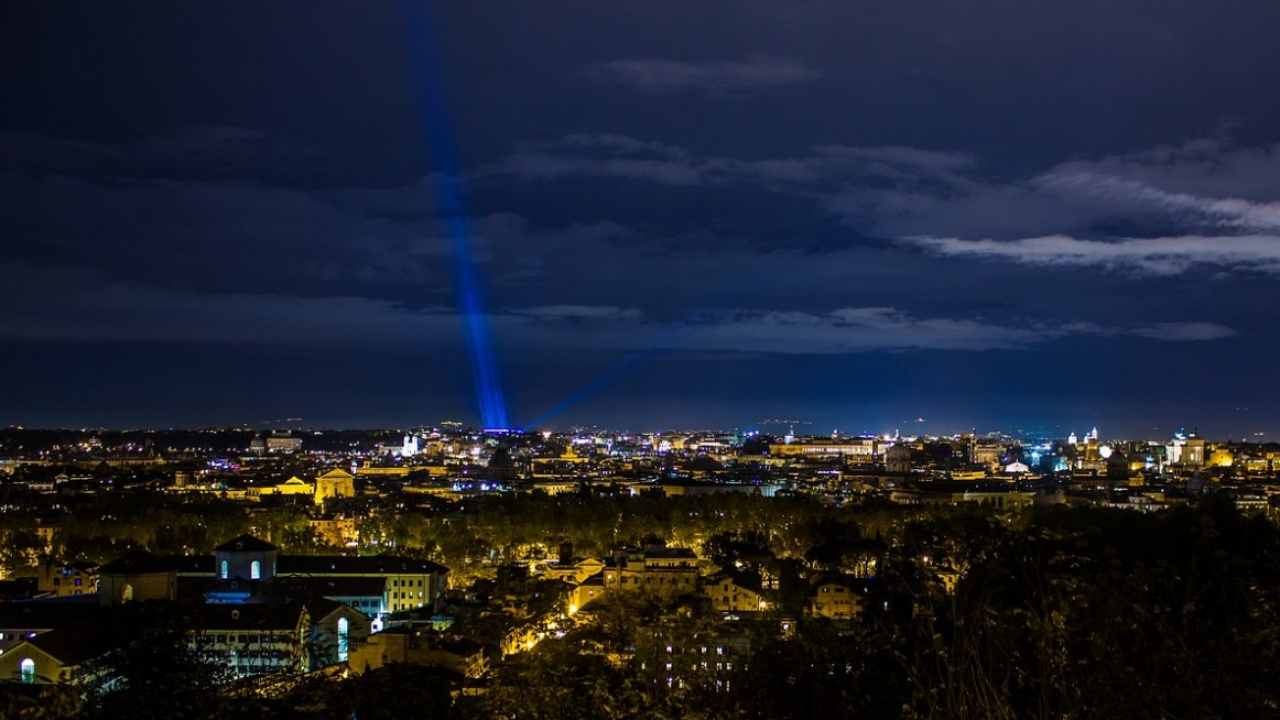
[
  {"x": 253, "y": 611},
  {"x": 324, "y": 468},
  {"x": 247, "y": 608},
  {"x": 341, "y": 479}
]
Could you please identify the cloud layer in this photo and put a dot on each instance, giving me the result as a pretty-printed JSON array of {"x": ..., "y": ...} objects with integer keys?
[
  {"x": 658, "y": 76},
  {"x": 1150, "y": 256},
  {"x": 1159, "y": 212},
  {"x": 77, "y": 306}
]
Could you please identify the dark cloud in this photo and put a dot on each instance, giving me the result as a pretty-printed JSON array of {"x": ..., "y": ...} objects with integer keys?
[
  {"x": 858, "y": 212},
  {"x": 65, "y": 305},
  {"x": 717, "y": 77}
]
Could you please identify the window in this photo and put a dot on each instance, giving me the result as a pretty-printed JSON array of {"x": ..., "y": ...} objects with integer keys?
[
  {"x": 127, "y": 594},
  {"x": 28, "y": 669},
  {"x": 343, "y": 643},
  {"x": 224, "y": 569},
  {"x": 255, "y": 570}
]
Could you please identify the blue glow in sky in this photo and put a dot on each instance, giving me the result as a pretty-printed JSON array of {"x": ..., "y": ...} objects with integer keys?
[{"x": 447, "y": 171}]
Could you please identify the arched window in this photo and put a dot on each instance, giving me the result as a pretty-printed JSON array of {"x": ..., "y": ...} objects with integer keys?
[
  {"x": 127, "y": 594},
  {"x": 224, "y": 569},
  {"x": 343, "y": 641},
  {"x": 255, "y": 570},
  {"x": 28, "y": 669}
]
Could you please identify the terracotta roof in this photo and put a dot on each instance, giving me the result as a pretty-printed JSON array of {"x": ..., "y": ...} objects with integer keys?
[
  {"x": 349, "y": 565},
  {"x": 47, "y": 614},
  {"x": 136, "y": 562},
  {"x": 247, "y": 617},
  {"x": 340, "y": 586},
  {"x": 73, "y": 644},
  {"x": 246, "y": 543}
]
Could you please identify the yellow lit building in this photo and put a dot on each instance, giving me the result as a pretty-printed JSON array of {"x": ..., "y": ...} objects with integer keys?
[
  {"x": 853, "y": 450},
  {"x": 336, "y": 483},
  {"x": 667, "y": 572},
  {"x": 62, "y": 656},
  {"x": 137, "y": 576},
  {"x": 63, "y": 579},
  {"x": 734, "y": 594},
  {"x": 586, "y": 592},
  {"x": 837, "y": 598},
  {"x": 575, "y": 572}
]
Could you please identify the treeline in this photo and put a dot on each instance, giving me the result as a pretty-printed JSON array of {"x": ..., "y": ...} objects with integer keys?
[
  {"x": 113, "y": 524},
  {"x": 1078, "y": 614},
  {"x": 469, "y": 537},
  {"x": 1064, "y": 614},
  {"x": 518, "y": 527}
]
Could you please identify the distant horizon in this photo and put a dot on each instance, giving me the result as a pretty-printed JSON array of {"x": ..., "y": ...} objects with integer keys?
[{"x": 802, "y": 431}]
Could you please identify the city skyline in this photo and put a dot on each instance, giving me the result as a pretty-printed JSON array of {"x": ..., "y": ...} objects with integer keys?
[{"x": 995, "y": 217}]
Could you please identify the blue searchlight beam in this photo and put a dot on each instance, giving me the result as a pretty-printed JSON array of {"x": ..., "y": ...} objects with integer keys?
[{"x": 475, "y": 322}]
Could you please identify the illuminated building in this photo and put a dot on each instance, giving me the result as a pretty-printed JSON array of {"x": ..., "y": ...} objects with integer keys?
[
  {"x": 336, "y": 483},
  {"x": 137, "y": 576},
  {"x": 732, "y": 592},
  {"x": 278, "y": 442},
  {"x": 62, "y": 656},
  {"x": 852, "y": 449},
  {"x": 586, "y": 592},
  {"x": 63, "y": 579},
  {"x": 409, "y": 584},
  {"x": 20, "y": 621},
  {"x": 253, "y": 639},
  {"x": 412, "y": 645},
  {"x": 292, "y": 487},
  {"x": 666, "y": 572},
  {"x": 838, "y": 597}
]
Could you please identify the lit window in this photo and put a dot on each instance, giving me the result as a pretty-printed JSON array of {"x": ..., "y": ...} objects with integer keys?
[
  {"x": 255, "y": 570},
  {"x": 127, "y": 594},
  {"x": 28, "y": 667},
  {"x": 224, "y": 569},
  {"x": 343, "y": 643}
]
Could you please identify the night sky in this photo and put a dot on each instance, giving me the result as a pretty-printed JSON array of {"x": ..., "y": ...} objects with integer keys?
[{"x": 928, "y": 216}]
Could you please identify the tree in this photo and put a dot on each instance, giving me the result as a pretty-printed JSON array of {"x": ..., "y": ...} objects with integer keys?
[
  {"x": 392, "y": 692},
  {"x": 746, "y": 549},
  {"x": 151, "y": 671}
]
